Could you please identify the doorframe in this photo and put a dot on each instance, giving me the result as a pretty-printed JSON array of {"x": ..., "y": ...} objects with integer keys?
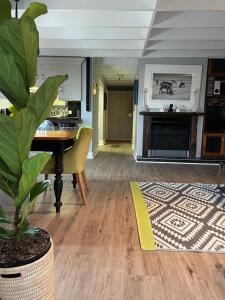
[{"x": 101, "y": 114}]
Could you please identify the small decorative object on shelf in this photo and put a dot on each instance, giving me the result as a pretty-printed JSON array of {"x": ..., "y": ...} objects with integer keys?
[{"x": 170, "y": 108}]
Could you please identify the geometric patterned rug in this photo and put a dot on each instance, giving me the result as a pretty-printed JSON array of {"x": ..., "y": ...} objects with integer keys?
[{"x": 180, "y": 216}]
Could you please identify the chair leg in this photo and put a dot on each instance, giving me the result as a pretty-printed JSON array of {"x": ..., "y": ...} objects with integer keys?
[
  {"x": 81, "y": 187},
  {"x": 74, "y": 182},
  {"x": 46, "y": 176},
  {"x": 85, "y": 180}
]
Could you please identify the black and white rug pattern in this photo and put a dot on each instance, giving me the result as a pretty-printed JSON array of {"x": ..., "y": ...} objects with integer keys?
[{"x": 186, "y": 216}]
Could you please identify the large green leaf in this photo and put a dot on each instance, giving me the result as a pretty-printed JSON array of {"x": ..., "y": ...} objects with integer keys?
[
  {"x": 11, "y": 81},
  {"x": 16, "y": 134},
  {"x": 12, "y": 42},
  {"x": 31, "y": 231},
  {"x": 3, "y": 217},
  {"x": 5, "y": 11},
  {"x": 35, "y": 10},
  {"x": 4, "y": 171},
  {"x": 27, "y": 120},
  {"x": 9, "y": 150},
  {"x": 27, "y": 209},
  {"x": 31, "y": 38},
  {"x": 31, "y": 168},
  {"x": 9, "y": 188},
  {"x": 20, "y": 39},
  {"x": 31, "y": 46},
  {"x": 2, "y": 212},
  {"x": 5, "y": 221},
  {"x": 39, "y": 188},
  {"x": 5, "y": 233},
  {"x": 41, "y": 102}
]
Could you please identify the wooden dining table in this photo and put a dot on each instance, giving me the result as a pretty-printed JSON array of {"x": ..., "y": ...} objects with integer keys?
[{"x": 55, "y": 141}]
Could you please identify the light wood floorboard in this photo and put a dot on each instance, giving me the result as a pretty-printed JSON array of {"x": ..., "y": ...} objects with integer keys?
[{"x": 97, "y": 251}]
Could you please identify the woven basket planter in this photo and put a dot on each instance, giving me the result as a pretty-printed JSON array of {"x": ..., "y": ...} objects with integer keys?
[{"x": 33, "y": 281}]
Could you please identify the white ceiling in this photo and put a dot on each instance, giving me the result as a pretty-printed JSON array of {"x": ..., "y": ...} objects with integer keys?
[
  {"x": 132, "y": 28},
  {"x": 187, "y": 28},
  {"x": 118, "y": 71},
  {"x": 94, "y": 28}
]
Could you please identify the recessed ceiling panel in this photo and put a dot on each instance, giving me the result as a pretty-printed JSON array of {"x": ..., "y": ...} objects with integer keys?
[
  {"x": 183, "y": 44},
  {"x": 93, "y": 44},
  {"x": 89, "y": 52},
  {"x": 95, "y": 4},
  {"x": 190, "y": 19},
  {"x": 178, "y": 5},
  {"x": 95, "y": 18},
  {"x": 185, "y": 53},
  {"x": 187, "y": 34},
  {"x": 93, "y": 33}
]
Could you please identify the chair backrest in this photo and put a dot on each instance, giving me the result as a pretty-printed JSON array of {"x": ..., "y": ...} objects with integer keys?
[{"x": 75, "y": 158}]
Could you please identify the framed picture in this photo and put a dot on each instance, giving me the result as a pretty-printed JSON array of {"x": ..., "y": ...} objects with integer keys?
[{"x": 172, "y": 84}]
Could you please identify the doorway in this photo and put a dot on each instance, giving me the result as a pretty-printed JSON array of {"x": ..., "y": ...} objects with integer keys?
[{"x": 120, "y": 115}]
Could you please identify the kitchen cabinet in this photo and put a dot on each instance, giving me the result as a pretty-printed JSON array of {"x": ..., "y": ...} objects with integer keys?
[
  {"x": 44, "y": 71},
  {"x": 48, "y": 66},
  {"x": 71, "y": 89}
]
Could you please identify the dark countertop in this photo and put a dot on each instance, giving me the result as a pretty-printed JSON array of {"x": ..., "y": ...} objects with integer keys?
[{"x": 66, "y": 120}]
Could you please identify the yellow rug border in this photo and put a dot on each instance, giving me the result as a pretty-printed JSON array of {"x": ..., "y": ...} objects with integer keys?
[{"x": 143, "y": 219}]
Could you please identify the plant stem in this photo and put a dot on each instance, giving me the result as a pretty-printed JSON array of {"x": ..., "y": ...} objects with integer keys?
[{"x": 16, "y": 221}]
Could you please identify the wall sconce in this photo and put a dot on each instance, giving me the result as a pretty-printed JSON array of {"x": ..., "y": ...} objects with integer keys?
[{"x": 94, "y": 88}]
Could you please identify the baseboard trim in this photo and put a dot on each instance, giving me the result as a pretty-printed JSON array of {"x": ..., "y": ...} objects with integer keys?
[
  {"x": 101, "y": 142},
  {"x": 197, "y": 161},
  {"x": 92, "y": 154}
]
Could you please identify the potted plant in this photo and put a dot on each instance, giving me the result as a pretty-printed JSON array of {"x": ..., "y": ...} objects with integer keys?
[{"x": 26, "y": 253}]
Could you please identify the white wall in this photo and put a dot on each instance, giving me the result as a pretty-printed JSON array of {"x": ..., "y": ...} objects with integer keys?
[
  {"x": 168, "y": 61},
  {"x": 85, "y": 115},
  {"x": 134, "y": 128},
  {"x": 101, "y": 113},
  {"x": 97, "y": 103}
]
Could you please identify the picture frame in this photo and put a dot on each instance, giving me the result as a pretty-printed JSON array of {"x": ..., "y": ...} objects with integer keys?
[{"x": 189, "y": 100}]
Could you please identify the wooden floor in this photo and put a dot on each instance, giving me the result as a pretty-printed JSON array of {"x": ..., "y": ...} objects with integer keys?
[{"x": 97, "y": 251}]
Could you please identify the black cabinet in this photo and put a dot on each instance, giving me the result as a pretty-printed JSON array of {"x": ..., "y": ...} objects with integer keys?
[{"x": 213, "y": 145}]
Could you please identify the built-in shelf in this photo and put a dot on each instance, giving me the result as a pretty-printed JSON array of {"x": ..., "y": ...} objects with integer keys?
[{"x": 213, "y": 137}]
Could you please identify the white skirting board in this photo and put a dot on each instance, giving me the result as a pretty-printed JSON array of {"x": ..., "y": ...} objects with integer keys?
[{"x": 92, "y": 154}]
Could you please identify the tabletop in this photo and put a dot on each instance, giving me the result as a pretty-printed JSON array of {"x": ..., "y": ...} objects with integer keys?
[{"x": 55, "y": 135}]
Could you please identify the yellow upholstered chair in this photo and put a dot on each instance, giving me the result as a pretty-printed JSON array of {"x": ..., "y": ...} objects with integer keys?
[{"x": 74, "y": 160}]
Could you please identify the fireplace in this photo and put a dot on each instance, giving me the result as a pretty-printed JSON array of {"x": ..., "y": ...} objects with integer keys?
[{"x": 170, "y": 134}]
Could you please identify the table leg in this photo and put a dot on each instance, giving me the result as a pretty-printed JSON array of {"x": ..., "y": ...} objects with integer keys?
[
  {"x": 74, "y": 181},
  {"x": 58, "y": 183}
]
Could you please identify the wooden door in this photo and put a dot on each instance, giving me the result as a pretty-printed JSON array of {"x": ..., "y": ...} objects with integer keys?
[{"x": 120, "y": 116}]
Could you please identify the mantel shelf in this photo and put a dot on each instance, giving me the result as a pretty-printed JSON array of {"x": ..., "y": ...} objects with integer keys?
[{"x": 171, "y": 114}]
